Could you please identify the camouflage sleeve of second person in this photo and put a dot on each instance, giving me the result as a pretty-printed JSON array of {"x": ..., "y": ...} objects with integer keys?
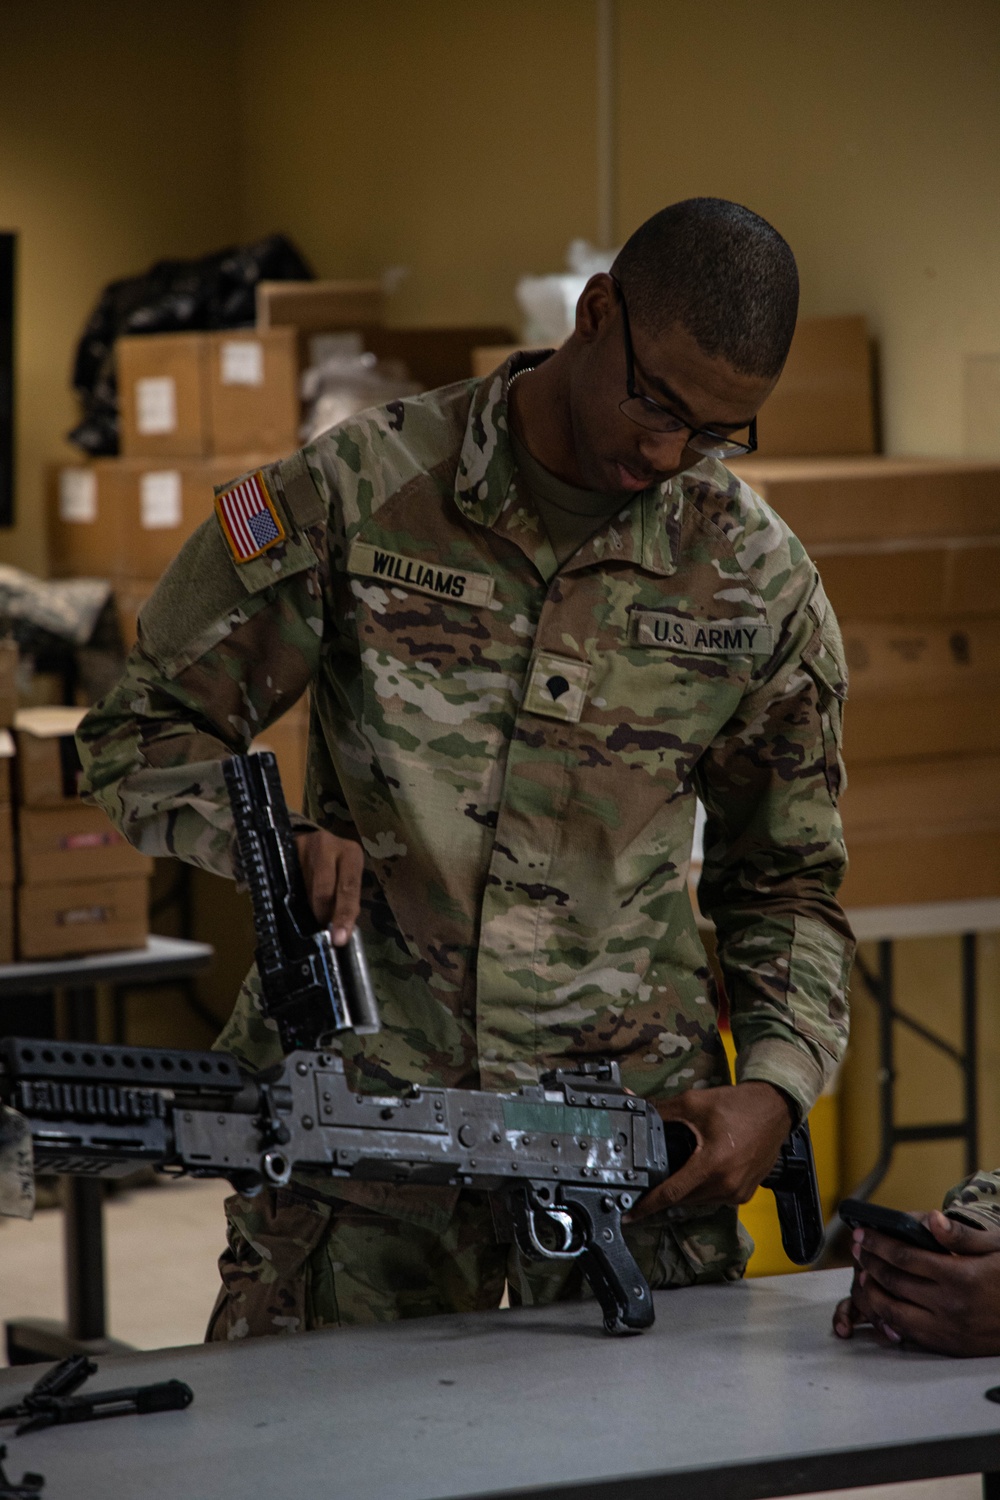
[
  {"x": 223, "y": 651},
  {"x": 976, "y": 1200},
  {"x": 774, "y": 852}
]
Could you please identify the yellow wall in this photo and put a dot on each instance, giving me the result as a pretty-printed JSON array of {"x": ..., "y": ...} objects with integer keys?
[
  {"x": 118, "y": 140},
  {"x": 455, "y": 139},
  {"x": 868, "y": 131},
  {"x": 458, "y": 140}
]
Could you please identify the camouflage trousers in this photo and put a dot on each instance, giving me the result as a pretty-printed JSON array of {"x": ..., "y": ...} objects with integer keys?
[{"x": 294, "y": 1263}]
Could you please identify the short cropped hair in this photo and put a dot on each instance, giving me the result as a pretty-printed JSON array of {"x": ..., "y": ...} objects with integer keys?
[{"x": 720, "y": 271}]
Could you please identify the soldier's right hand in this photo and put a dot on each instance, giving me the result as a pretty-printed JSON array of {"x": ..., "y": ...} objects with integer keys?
[{"x": 331, "y": 868}]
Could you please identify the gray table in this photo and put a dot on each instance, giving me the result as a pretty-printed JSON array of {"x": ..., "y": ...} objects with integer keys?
[
  {"x": 738, "y": 1391},
  {"x": 162, "y": 959}
]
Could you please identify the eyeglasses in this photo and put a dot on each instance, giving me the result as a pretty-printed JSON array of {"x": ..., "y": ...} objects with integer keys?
[{"x": 657, "y": 418}]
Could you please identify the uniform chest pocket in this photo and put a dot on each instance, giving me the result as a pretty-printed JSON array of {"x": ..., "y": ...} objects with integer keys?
[
  {"x": 434, "y": 684},
  {"x": 659, "y": 710}
]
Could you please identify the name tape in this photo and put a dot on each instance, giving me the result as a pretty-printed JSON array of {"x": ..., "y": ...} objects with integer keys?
[
  {"x": 453, "y": 584},
  {"x": 670, "y": 632}
]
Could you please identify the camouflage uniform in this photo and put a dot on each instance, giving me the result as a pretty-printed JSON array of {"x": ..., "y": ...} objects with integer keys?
[
  {"x": 977, "y": 1199},
  {"x": 519, "y": 747}
]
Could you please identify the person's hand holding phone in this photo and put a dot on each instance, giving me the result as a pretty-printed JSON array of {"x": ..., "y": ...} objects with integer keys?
[{"x": 948, "y": 1302}]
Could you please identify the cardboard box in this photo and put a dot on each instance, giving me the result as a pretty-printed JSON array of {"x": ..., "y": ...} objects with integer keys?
[
  {"x": 927, "y": 798},
  {"x": 319, "y": 306},
  {"x": 75, "y": 843},
  {"x": 48, "y": 765},
  {"x": 854, "y": 500},
  {"x": 8, "y": 924},
  {"x": 435, "y": 356},
  {"x": 163, "y": 395},
  {"x": 288, "y": 738},
  {"x": 57, "y": 921},
  {"x": 936, "y": 867},
  {"x": 139, "y": 511},
  {"x": 253, "y": 391},
  {"x": 921, "y": 689},
  {"x": 824, "y": 402},
  {"x": 869, "y": 582},
  {"x": 8, "y": 682},
  {"x": 925, "y": 830},
  {"x": 84, "y": 503}
]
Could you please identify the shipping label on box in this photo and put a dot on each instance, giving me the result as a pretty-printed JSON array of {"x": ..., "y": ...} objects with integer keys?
[
  {"x": 155, "y": 405},
  {"x": 77, "y": 496},
  {"x": 249, "y": 413},
  {"x": 85, "y": 510},
  {"x": 163, "y": 395},
  {"x": 58, "y": 921},
  {"x": 241, "y": 362},
  {"x": 160, "y": 507}
]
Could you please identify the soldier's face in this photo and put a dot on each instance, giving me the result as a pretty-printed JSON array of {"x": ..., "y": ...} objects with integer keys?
[{"x": 615, "y": 453}]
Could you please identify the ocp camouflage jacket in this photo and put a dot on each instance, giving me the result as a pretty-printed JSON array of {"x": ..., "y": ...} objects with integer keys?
[{"x": 519, "y": 748}]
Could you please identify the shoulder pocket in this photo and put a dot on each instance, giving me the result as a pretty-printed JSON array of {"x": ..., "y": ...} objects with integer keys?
[
  {"x": 206, "y": 594},
  {"x": 823, "y": 658},
  {"x": 257, "y": 524}
]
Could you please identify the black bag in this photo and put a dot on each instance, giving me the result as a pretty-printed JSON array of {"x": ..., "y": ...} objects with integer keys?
[{"x": 217, "y": 291}]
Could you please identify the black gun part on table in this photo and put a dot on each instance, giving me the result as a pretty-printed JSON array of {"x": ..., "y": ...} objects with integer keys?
[
  {"x": 30, "y": 1487},
  {"x": 53, "y": 1400},
  {"x": 564, "y": 1159}
]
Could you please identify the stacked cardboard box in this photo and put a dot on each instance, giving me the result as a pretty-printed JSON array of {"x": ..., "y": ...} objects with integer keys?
[
  {"x": 81, "y": 888},
  {"x": 909, "y": 553},
  {"x": 824, "y": 402}
]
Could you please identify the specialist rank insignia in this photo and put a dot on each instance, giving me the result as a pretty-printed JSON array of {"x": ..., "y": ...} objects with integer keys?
[{"x": 249, "y": 521}]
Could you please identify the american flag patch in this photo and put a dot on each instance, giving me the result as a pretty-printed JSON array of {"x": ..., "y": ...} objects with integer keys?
[{"x": 249, "y": 520}]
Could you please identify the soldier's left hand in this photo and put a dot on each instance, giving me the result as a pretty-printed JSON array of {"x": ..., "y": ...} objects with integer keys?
[
  {"x": 739, "y": 1131},
  {"x": 949, "y": 1303}
]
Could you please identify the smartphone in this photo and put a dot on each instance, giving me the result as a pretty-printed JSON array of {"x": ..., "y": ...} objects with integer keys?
[{"x": 890, "y": 1221}]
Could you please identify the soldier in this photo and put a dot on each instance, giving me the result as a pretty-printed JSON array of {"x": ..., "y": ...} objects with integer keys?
[
  {"x": 949, "y": 1303},
  {"x": 538, "y": 619}
]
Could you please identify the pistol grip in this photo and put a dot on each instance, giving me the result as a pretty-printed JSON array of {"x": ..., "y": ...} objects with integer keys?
[
  {"x": 607, "y": 1261},
  {"x": 796, "y": 1193}
]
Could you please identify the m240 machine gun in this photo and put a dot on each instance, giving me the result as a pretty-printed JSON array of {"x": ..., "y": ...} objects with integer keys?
[{"x": 565, "y": 1158}]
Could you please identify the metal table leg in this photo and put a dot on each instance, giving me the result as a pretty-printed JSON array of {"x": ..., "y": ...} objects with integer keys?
[{"x": 881, "y": 986}]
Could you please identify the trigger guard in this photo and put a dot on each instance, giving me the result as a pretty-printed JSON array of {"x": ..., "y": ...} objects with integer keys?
[{"x": 565, "y": 1222}]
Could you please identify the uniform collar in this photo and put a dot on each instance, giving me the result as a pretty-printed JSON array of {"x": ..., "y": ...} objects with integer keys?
[{"x": 484, "y": 488}]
